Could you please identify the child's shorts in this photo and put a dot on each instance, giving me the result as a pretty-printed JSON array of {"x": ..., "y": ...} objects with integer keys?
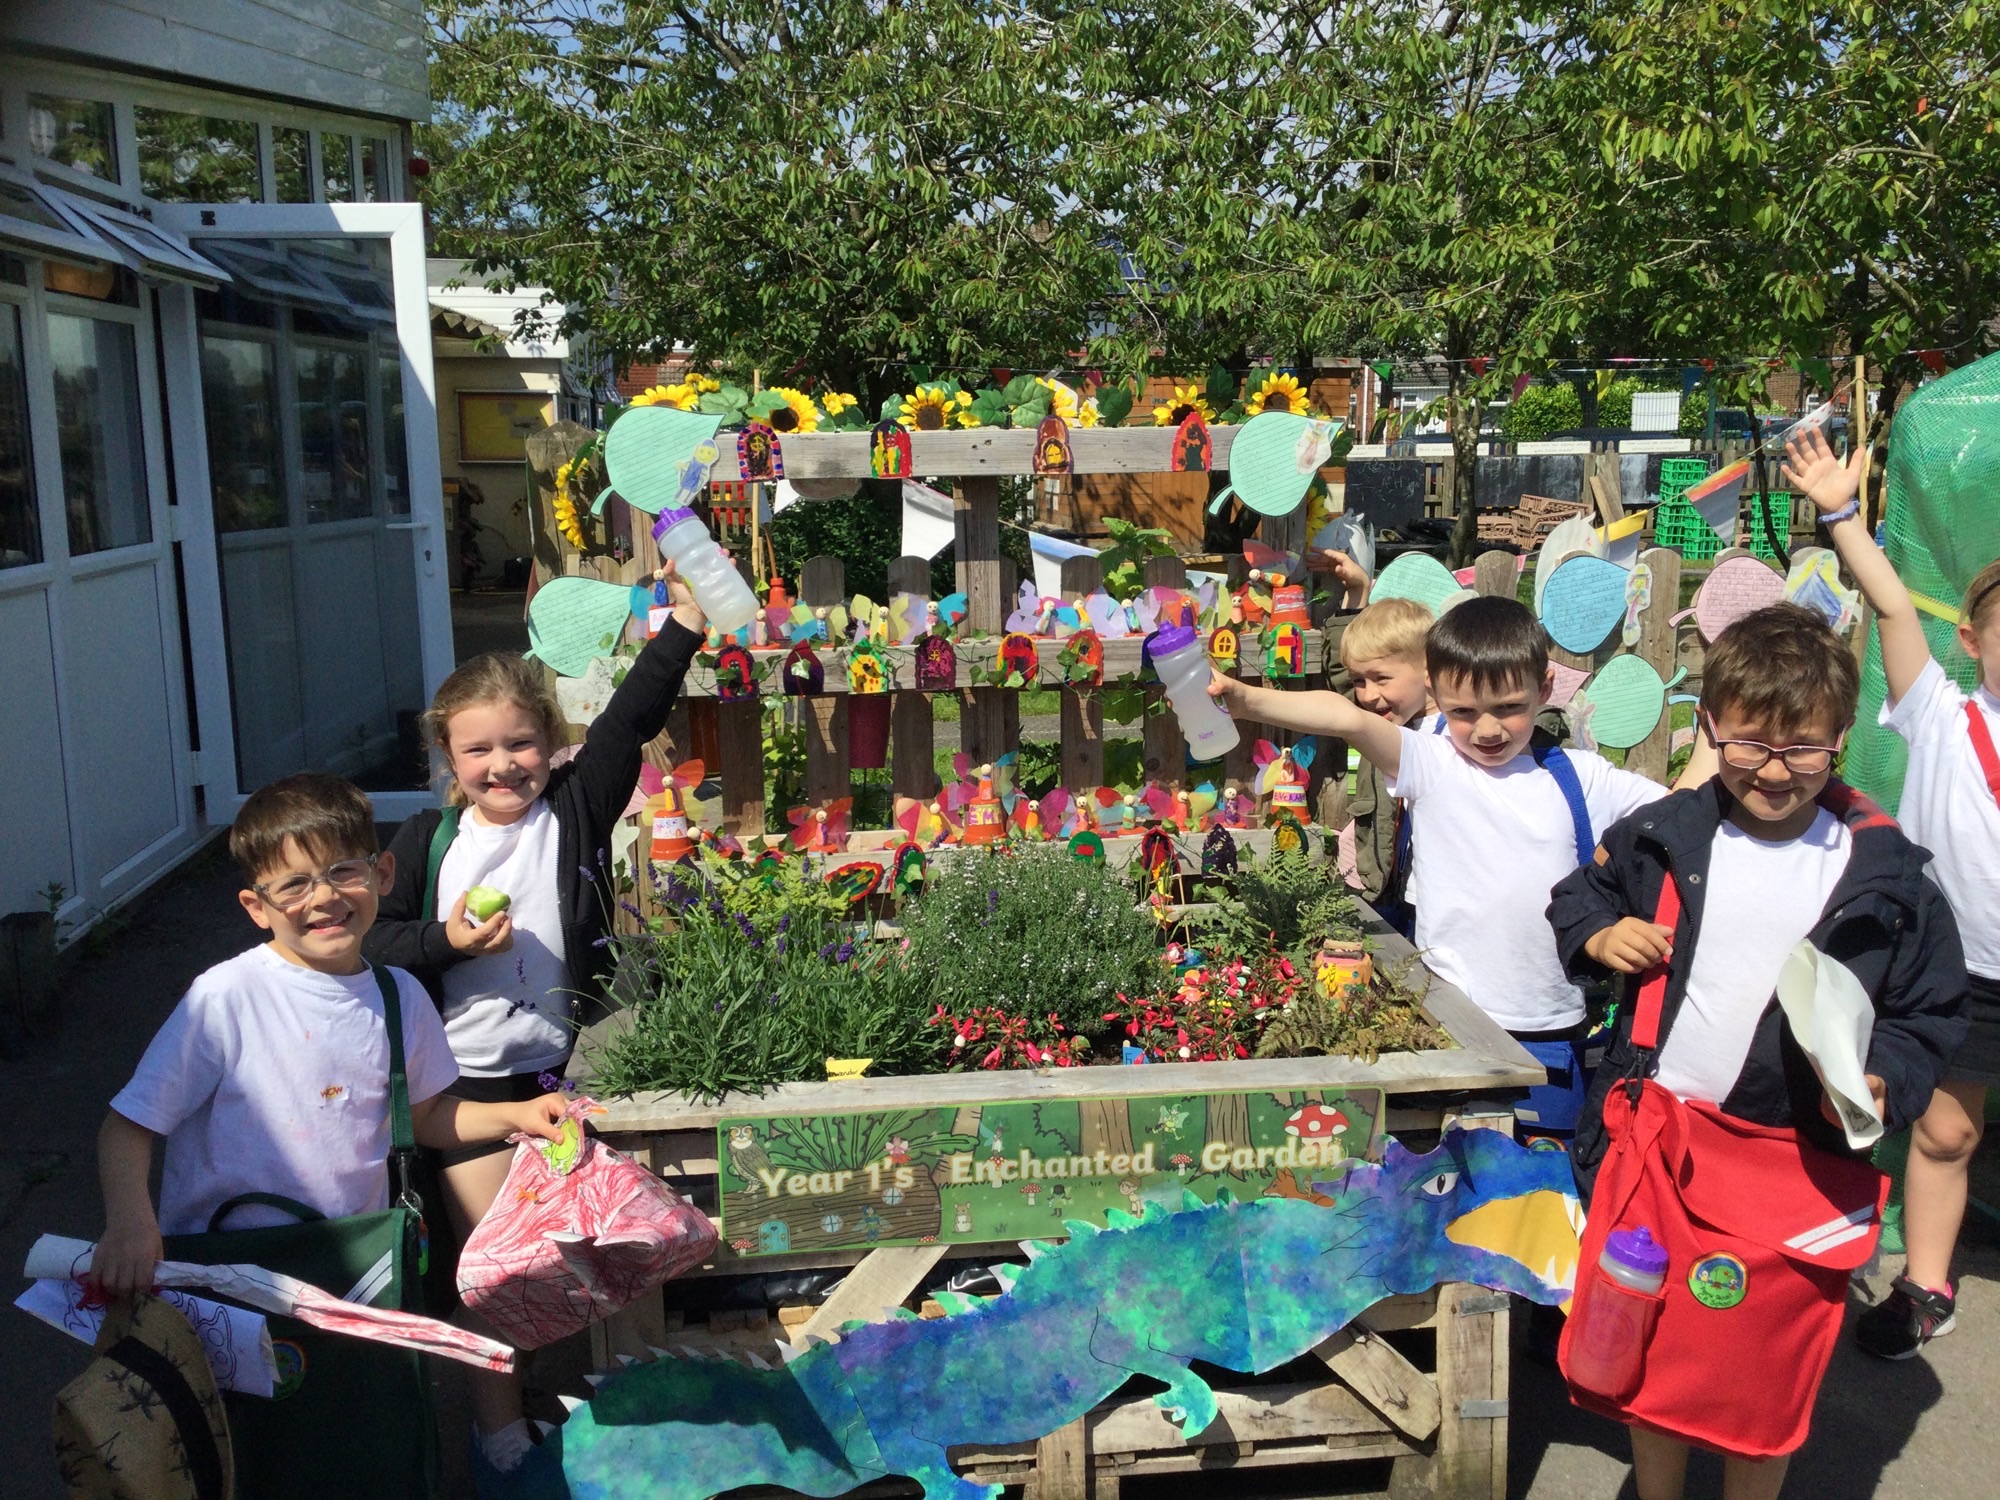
[
  {"x": 511, "y": 1088},
  {"x": 1977, "y": 1060}
]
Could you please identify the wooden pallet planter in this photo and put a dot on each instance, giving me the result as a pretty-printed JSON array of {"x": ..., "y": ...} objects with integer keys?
[
  {"x": 989, "y": 718},
  {"x": 1439, "y": 1418}
]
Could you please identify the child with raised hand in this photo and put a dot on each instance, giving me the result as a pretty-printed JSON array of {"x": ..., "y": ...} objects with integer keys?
[
  {"x": 1951, "y": 806},
  {"x": 508, "y": 985},
  {"x": 1497, "y": 819},
  {"x": 1699, "y": 900}
]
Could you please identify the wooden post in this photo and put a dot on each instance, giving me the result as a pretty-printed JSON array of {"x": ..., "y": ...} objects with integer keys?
[
  {"x": 1657, "y": 645},
  {"x": 975, "y": 508},
  {"x": 1165, "y": 749},
  {"x": 1010, "y": 702},
  {"x": 1082, "y": 712},
  {"x": 913, "y": 752},
  {"x": 1496, "y": 574},
  {"x": 823, "y": 583},
  {"x": 740, "y": 733}
]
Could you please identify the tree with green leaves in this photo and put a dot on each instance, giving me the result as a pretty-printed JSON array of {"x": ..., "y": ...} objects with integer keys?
[
  {"x": 1831, "y": 171},
  {"x": 840, "y": 191}
]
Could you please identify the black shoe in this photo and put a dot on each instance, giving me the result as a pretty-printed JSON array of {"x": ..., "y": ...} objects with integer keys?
[{"x": 1905, "y": 1320}]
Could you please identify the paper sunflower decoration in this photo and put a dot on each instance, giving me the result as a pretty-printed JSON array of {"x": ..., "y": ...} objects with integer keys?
[
  {"x": 1062, "y": 399},
  {"x": 568, "y": 522},
  {"x": 1087, "y": 415},
  {"x": 798, "y": 414},
  {"x": 933, "y": 408},
  {"x": 1279, "y": 391},
  {"x": 683, "y": 395},
  {"x": 1176, "y": 409}
]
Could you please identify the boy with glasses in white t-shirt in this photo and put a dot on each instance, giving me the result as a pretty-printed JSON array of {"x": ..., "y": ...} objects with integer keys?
[
  {"x": 1771, "y": 852},
  {"x": 272, "y": 1074}
]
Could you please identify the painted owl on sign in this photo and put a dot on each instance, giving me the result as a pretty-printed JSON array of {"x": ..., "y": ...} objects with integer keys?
[{"x": 746, "y": 1156}]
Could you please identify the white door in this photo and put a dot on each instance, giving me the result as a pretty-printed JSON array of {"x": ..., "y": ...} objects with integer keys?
[
  {"x": 319, "y": 615},
  {"x": 98, "y": 796}
]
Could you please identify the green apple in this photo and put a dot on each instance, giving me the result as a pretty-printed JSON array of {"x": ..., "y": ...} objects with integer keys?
[{"x": 482, "y": 902}]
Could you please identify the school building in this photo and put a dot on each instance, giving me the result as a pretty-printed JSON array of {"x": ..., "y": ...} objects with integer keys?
[{"x": 223, "y": 553}]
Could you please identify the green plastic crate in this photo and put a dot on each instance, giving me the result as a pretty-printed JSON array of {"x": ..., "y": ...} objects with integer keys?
[
  {"x": 1676, "y": 523},
  {"x": 1679, "y": 475},
  {"x": 1679, "y": 525},
  {"x": 1779, "y": 506}
]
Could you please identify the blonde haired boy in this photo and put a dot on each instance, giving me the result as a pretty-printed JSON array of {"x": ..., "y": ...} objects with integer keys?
[{"x": 1382, "y": 651}]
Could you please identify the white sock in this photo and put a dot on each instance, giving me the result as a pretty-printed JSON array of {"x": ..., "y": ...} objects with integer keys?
[{"x": 506, "y": 1448}]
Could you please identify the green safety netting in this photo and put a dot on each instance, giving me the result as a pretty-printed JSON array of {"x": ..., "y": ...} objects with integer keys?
[{"x": 1943, "y": 525}]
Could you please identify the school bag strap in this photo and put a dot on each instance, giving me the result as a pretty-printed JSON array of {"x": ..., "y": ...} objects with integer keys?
[
  {"x": 441, "y": 838},
  {"x": 402, "y": 1135},
  {"x": 1653, "y": 988},
  {"x": 1551, "y": 758},
  {"x": 1982, "y": 746}
]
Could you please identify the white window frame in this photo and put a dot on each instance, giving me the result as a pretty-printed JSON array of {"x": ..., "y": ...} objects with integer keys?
[
  {"x": 402, "y": 225},
  {"x": 126, "y": 94}
]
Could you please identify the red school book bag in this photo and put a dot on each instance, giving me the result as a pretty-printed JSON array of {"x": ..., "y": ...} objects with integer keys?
[{"x": 1761, "y": 1231}]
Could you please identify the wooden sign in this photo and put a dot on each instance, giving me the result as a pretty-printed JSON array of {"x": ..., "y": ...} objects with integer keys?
[{"x": 856, "y": 1179}]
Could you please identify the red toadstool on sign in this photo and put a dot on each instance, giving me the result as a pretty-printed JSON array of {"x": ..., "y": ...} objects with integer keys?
[{"x": 1316, "y": 1122}]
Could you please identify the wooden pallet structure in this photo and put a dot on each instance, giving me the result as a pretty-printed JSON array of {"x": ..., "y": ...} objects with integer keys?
[
  {"x": 989, "y": 717},
  {"x": 1417, "y": 1382}
]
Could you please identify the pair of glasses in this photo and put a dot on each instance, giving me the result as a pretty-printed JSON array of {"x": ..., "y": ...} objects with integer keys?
[
  {"x": 295, "y": 891},
  {"x": 1754, "y": 755}
]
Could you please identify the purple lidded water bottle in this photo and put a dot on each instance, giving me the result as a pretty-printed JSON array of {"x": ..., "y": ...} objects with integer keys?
[{"x": 1614, "y": 1321}]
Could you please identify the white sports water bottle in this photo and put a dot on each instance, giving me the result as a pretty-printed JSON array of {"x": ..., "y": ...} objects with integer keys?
[
  {"x": 718, "y": 588},
  {"x": 1181, "y": 659}
]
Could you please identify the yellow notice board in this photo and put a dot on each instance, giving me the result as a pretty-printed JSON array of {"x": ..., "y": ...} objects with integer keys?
[{"x": 494, "y": 426}]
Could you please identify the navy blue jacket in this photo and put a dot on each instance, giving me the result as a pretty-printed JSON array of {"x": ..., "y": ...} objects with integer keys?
[{"x": 1886, "y": 921}]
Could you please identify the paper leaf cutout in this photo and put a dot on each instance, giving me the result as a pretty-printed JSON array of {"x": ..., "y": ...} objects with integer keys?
[
  {"x": 1566, "y": 540},
  {"x": 1625, "y": 700},
  {"x": 1814, "y": 582},
  {"x": 1027, "y": 610},
  {"x": 1275, "y": 457},
  {"x": 573, "y": 620},
  {"x": 1584, "y": 602},
  {"x": 644, "y": 451},
  {"x": 1418, "y": 576},
  {"x": 1106, "y": 616},
  {"x": 1735, "y": 587}
]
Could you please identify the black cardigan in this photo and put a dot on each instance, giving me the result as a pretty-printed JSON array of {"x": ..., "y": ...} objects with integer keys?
[
  {"x": 1885, "y": 921},
  {"x": 588, "y": 795}
]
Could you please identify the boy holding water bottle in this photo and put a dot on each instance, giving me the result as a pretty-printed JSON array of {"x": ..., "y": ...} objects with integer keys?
[{"x": 1497, "y": 815}]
